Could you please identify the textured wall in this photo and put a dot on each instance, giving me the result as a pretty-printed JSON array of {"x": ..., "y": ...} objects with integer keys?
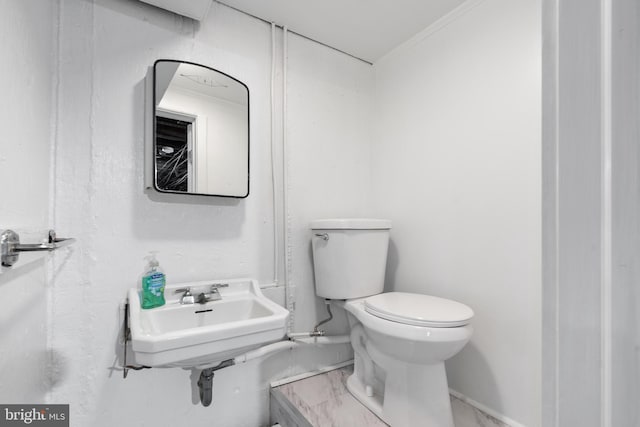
[
  {"x": 456, "y": 163},
  {"x": 27, "y": 47},
  {"x": 106, "y": 47}
]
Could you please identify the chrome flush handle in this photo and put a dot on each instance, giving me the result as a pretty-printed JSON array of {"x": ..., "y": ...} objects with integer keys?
[{"x": 323, "y": 236}]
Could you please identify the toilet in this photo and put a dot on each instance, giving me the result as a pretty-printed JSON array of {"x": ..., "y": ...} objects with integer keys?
[{"x": 400, "y": 340}]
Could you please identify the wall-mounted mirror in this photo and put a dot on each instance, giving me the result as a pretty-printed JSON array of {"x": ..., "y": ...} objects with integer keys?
[{"x": 200, "y": 131}]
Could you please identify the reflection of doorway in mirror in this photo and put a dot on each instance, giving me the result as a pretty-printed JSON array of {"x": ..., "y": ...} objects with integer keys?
[{"x": 176, "y": 134}]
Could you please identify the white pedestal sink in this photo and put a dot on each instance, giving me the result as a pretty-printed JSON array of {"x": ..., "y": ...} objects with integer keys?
[{"x": 189, "y": 335}]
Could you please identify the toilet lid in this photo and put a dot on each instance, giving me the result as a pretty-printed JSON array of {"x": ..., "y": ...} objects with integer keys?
[{"x": 418, "y": 310}]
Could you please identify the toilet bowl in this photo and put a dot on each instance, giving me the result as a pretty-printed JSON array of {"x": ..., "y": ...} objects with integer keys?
[
  {"x": 407, "y": 379},
  {"x": 400, "y": 340}
]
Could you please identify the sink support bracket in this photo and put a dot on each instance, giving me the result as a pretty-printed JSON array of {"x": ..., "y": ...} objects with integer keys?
[{"x": 126, "y": 335}]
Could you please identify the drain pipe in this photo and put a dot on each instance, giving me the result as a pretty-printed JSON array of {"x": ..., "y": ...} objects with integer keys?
[{"x": 205, "y": 382}]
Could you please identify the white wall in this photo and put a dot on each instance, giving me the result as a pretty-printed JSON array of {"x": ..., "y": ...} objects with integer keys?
[
  {"x": 106, "y": 47},
  {"x": 456, "y": 167},
  {"x": 27, "y": 49},
  {"x": 329, "y": 114}
]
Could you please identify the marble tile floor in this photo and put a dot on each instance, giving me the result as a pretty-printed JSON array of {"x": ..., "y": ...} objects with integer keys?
[{"x": 324, "y": 401}]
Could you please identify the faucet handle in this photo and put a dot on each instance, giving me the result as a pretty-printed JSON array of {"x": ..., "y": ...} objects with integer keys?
[
  {"x": 216, "y": 286},
  {"x": 187, "y": 297}
]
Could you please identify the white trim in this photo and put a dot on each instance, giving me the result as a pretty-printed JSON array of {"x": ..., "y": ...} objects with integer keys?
[
  {"x": 431, "y": 29},
  {"x": 606, "y": 208},
  {"x": 556, "y": 226},
  {"x": 503, "y": 419},
  {"x": 176, "y": 115},
  {"x": 290, "y": 303},
  {"x": 309, "y": 374}
]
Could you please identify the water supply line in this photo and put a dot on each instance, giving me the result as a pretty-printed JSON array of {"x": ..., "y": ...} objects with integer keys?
[
  {"x": 327, "y": 304},
  {"x": 205, "y": 382},
  {"x": 274, "y": 181},
  {"x": 286, "y": 223},
  {"x": 293, "y": 341}
]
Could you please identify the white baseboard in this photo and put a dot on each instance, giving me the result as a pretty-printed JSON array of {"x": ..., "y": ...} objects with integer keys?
[{"x": 490, "y": 412}]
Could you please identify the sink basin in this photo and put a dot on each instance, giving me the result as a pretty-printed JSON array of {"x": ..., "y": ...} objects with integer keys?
[{"x": 188, "y": 335}]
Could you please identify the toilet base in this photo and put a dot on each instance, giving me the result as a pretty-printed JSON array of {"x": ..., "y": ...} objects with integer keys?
[
  {"x": 358, "y": 390},
  {"x": 413, "y": 395},
  {"x": 399, "y": 374}
]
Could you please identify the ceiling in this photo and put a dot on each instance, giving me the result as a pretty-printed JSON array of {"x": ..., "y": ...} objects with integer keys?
[
  {"x": 205, "y": 81},
  {"x": 367, "y": 29}
]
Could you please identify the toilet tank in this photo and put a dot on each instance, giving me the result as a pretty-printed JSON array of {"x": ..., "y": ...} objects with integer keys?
[{"x": 349, "y": 256}]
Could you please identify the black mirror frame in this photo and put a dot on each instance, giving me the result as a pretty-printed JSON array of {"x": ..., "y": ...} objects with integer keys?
[{"x": 154, "y": 143}]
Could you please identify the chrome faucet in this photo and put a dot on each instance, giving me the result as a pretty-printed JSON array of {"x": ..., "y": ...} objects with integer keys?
[
  {"x": 187, "y": 297},
  {"x": 213, "y": 294},
  {"x": 202, "y": 298}
]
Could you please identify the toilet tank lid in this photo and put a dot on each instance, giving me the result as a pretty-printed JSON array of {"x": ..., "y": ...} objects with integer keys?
[{"x": 351, "y": 224}]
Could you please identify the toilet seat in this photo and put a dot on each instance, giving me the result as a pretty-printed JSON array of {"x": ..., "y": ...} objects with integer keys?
[{"x": 418, "y": 310}]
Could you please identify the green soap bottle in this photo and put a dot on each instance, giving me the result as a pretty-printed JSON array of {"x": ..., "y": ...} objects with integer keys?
[{"x": 153, "y": 282}]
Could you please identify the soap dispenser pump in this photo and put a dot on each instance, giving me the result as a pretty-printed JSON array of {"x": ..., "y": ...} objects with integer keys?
[{"x": 153, "y": 283}]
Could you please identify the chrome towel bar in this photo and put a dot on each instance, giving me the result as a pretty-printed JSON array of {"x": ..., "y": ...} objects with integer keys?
[{"x": 10, "y": 246}]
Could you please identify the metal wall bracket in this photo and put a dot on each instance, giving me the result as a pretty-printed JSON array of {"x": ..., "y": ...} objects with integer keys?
[{"x": 10, "y": 246}]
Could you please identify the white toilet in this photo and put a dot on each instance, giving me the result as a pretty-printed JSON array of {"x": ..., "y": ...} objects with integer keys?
[{"x": 400, "y": 340}]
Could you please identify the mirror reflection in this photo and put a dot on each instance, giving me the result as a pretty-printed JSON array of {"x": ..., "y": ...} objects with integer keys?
[{"x": 201, "y": 143}]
